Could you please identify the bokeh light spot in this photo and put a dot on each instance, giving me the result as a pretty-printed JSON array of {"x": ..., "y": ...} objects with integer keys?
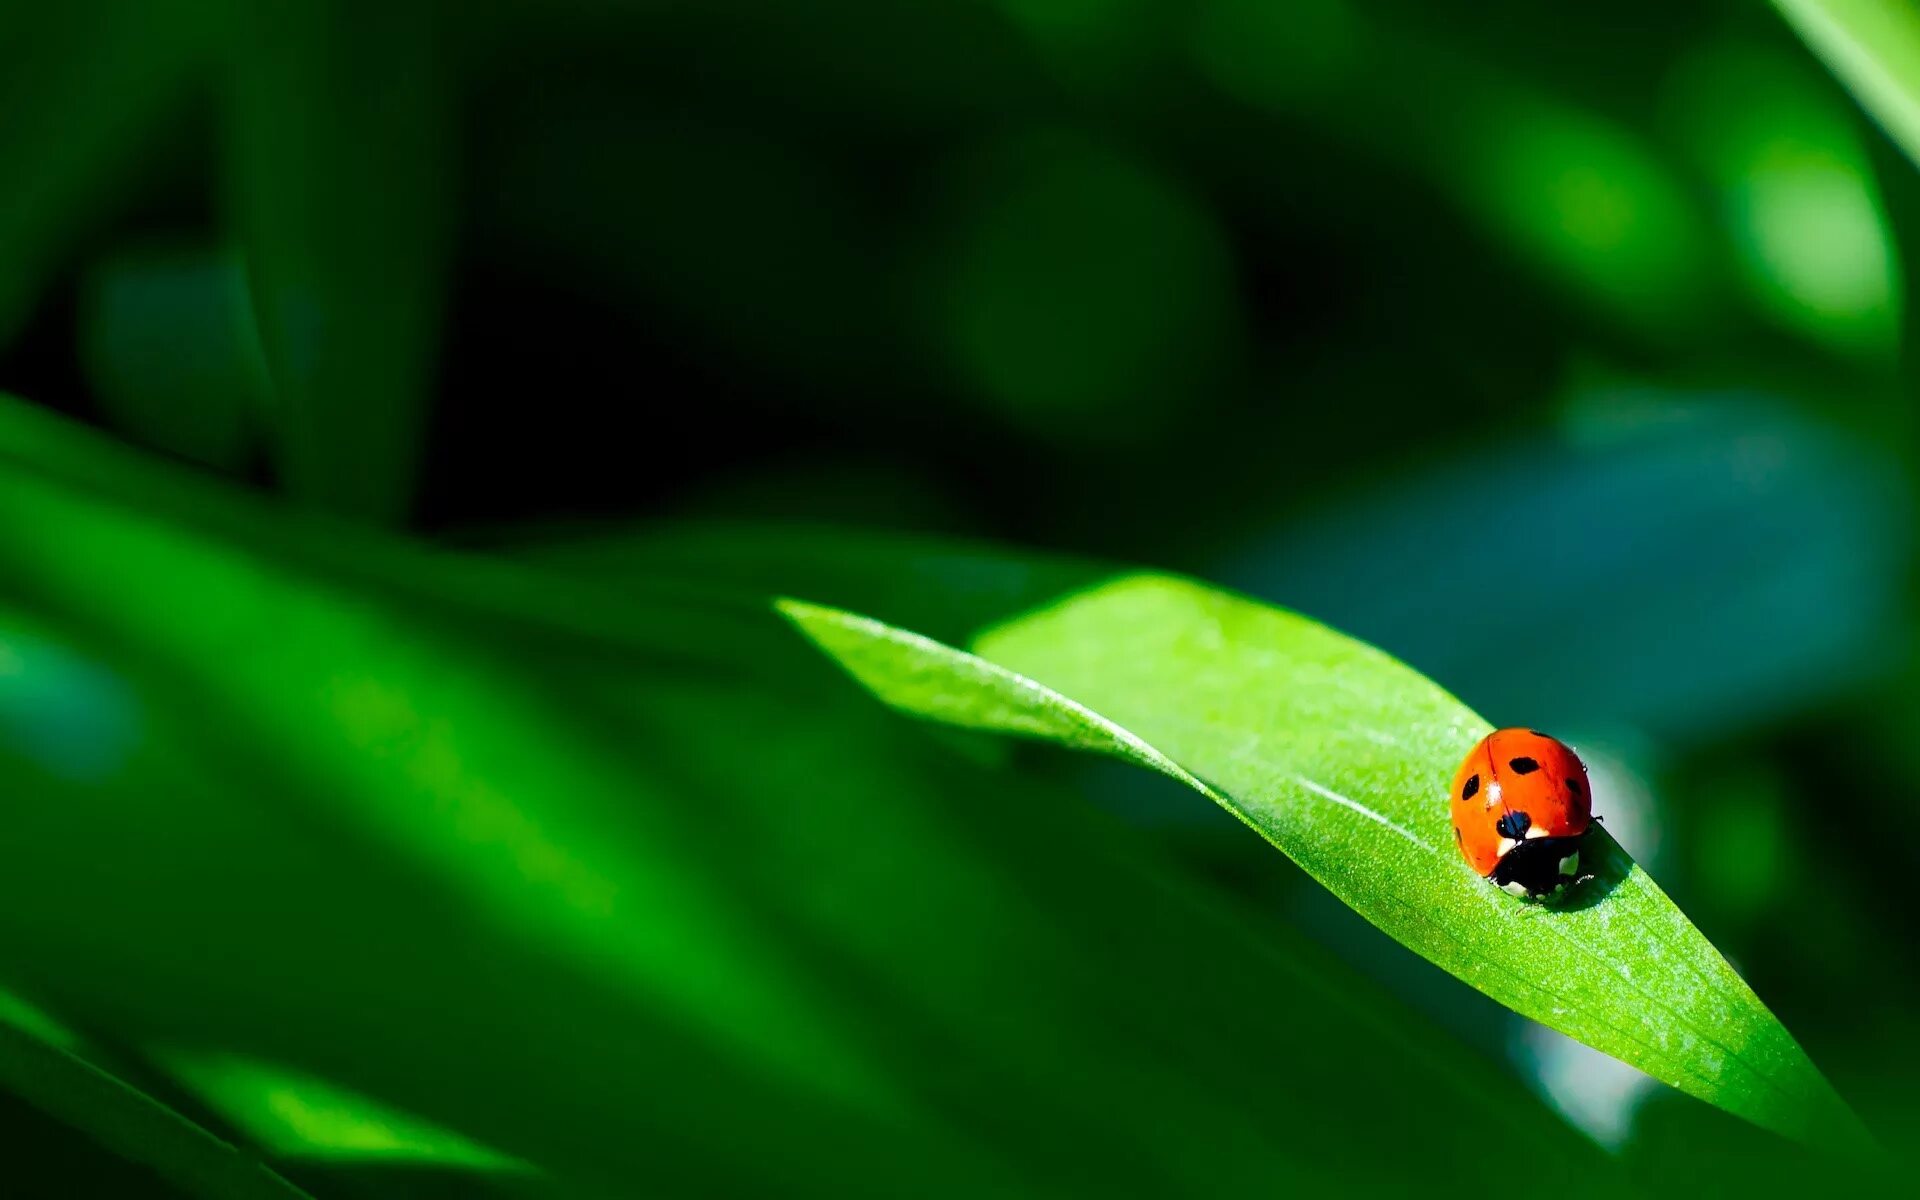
[
  {"x": 1086, "y": 292},
  {"x": 1623, "y": 794},
  {"x": 1590, "y": 203},
  {"x": 1798, "y": 197},
  {"x": 1597, "y": 1093},
  {"x": 70, "y": 717},
  {"x": 1813, "y": 231},
  {"x": 169, "y": 346}
]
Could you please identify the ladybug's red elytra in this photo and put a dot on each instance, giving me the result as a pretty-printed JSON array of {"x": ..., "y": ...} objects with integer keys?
[{"x": 1521, "y": 806}]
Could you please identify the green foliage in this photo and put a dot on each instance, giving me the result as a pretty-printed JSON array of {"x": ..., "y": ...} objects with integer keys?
[
  {"x": 323, "y": 99},
  {"x": 129, "y": 1123},
  {"x": 510, "y": 894},
  {"x": 170, "y": 349},
  {"x": 301, "y": 1118},
  {"x": 1341, "y": 757},
  {"x": 87, "y": 84},
  {"x": 1557, "y": 353},
  {"x": 1874, "y": 48}
]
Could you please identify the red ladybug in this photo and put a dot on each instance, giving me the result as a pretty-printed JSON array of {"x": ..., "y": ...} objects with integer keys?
[{"x": 1521, "y": 806}]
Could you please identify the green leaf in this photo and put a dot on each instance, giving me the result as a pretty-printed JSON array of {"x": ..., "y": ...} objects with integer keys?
[
  {"x": 1341, "y": 757},
  {"x": 338, "y": 137},
  {"x": 489, "y": 592},
  {"x": 121, "y": 1118},
  {"x": 400, "y": 867},
  {"x": 85, "y": 84},
  {"x": 1873, "y": 47},
  {"x": 297, "y": 1116},
  {"x": 169, "y": 347},
  {"x": 1007, "y": 924},
  {"x": 601, "y": 912}
]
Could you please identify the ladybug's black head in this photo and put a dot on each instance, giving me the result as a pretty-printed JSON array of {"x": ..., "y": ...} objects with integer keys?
[{"x": 1539, "y": 868}]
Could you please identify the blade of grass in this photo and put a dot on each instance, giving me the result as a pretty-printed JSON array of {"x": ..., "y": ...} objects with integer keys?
[
  {"x": 1873, "y": 47},
  {"x": 299, "y": 1117},
  {"x": 338, "y": 145},
  {"x": 486, "y": 592},
  {"x": 81, "y": 84},
  {"x": 127, "y": 1122}
]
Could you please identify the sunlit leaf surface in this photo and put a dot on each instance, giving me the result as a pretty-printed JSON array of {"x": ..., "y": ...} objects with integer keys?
[
  {"x": 1873, "y": 46},
  {"x": 1341, "y": 757}
]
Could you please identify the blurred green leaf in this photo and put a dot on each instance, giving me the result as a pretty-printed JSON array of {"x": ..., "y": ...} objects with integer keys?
[
  {"x": 434, "y": 763},
  {"x": 1340, "y": 757},
  {"x": 1797, "y": 192},
  {"x": 81, "y": 84},
  {"x": 487, "y": 592},
  {"x": 1585, "y": 198},
  {"x": 1873, "y": 46},
  {"x": 1196, "y": 1048},
  {"x": 1677, "y": 498},
  {"x": 122, "y": 1119},
  {"x": 339, "y": 164},
  {"x": 523, "y": 882},
  {"x": 444, "y": 899},
  {"x": 295, "y": 1115},
  {"x": 942, "y": 588},
  {"x": 169, "y": 346},
  {"x": 1571, "y": 189}
]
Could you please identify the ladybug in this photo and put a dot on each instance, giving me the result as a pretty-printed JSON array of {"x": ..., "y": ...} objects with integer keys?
[{"x": 1521, "y": 806}]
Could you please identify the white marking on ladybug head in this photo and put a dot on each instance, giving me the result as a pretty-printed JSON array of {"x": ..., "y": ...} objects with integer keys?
[
  {"x": 1517, "y": 889},
  {"x": 1570, "y": 865},
  {"x": 1506, "y": 844},
  {"x": 1537, "y": 831}
]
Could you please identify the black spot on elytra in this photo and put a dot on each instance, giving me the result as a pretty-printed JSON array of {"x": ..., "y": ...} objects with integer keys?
[
  {"x": 1513, "y": 825},
  {"x": 1573, "y": 785},
  {"x": 1523, "y": 765},
  {"x": 1471, "y": 790},
  {"x": 1537, "y": 733}
]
